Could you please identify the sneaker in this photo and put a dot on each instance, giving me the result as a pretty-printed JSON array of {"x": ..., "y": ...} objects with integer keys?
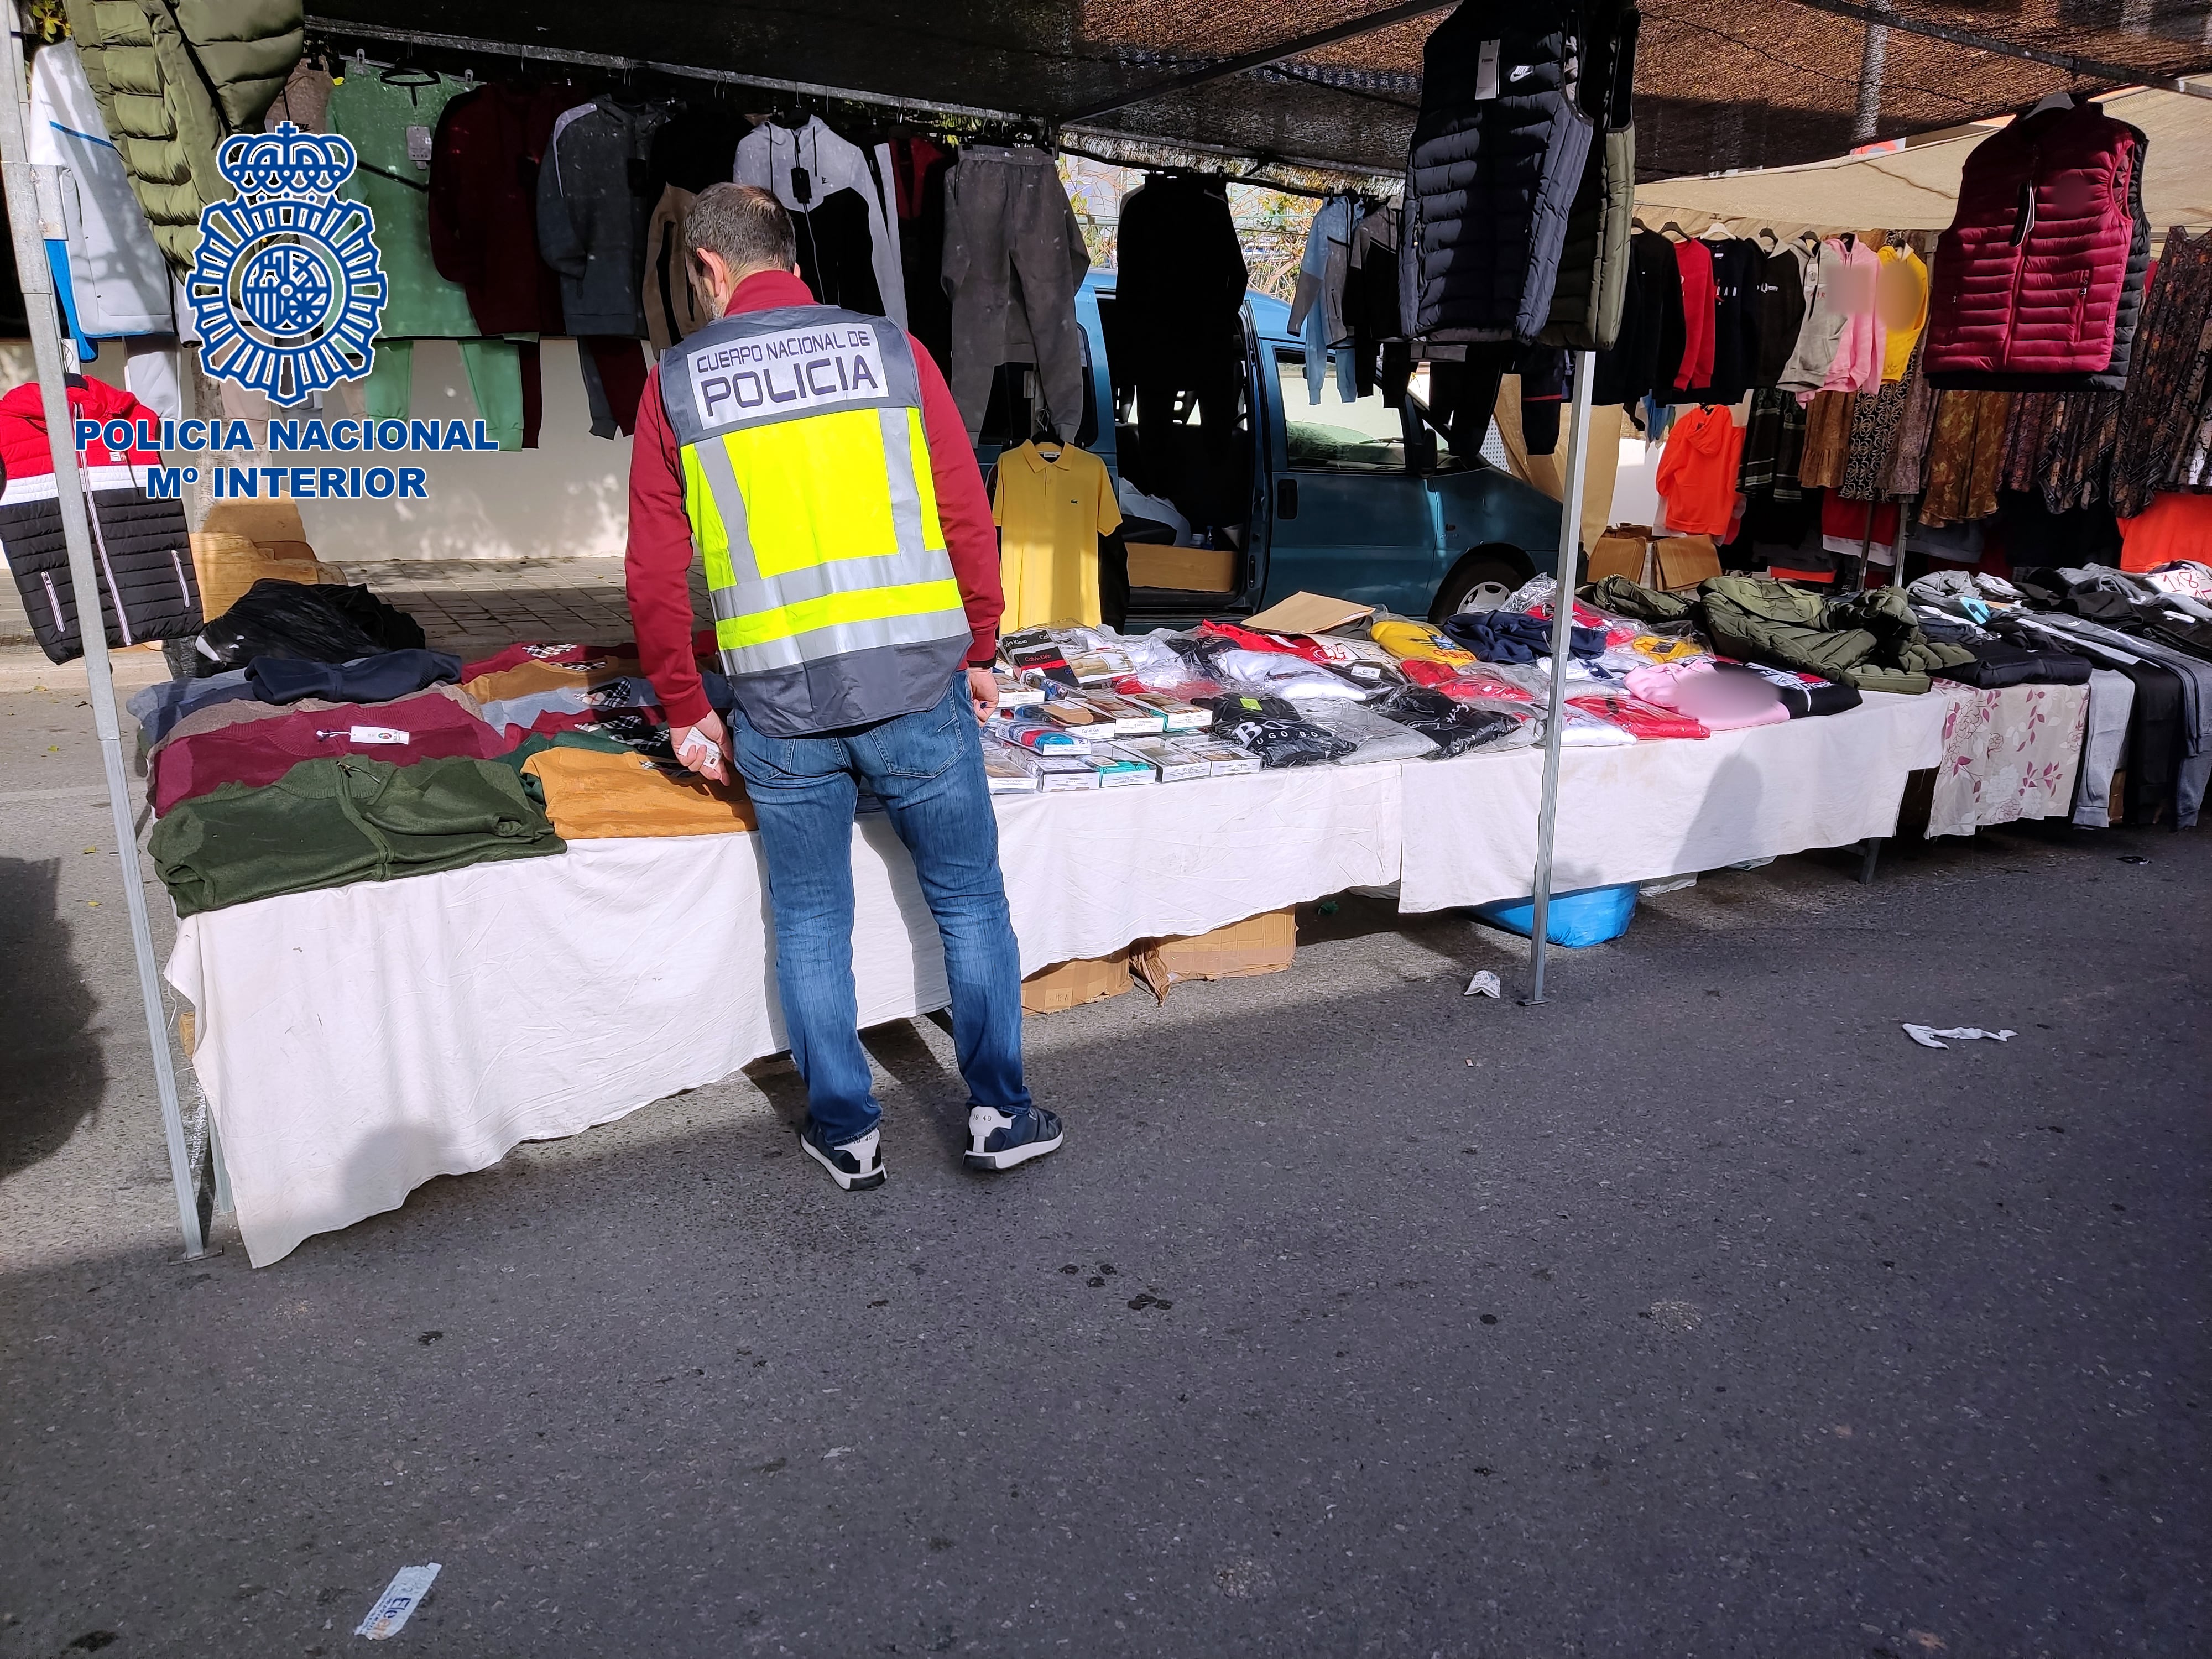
[
  {"x": 1000, "y": 1140},
  {"x": 856, "y": 1166}
]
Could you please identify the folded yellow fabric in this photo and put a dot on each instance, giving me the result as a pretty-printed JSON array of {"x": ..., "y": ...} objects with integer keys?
[
  {"x": 594, "y": 796},
  {"x": 530, "y": 677},
  {"x": 1408, "y": 639}
]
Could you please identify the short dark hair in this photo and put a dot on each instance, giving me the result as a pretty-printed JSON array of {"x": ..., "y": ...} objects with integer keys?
[{"x": 742, "y": 223}]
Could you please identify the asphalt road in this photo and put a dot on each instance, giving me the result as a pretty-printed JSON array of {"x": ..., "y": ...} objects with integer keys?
[{"x": 1697, "y": 1313}]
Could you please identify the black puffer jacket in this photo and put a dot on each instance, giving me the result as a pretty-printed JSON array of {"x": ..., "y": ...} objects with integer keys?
[
  {"x": 1498, "y": 156},
  {"x": 141, "y": 547}
]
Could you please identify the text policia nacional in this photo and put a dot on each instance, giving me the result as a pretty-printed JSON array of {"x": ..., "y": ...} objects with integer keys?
[{"x": 311, "y": 437}]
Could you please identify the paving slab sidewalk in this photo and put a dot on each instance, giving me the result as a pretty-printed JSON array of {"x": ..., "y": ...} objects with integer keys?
[{"x": 467, "y": 607}]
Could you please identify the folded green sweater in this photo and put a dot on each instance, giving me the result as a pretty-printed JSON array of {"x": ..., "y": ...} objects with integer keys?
[{"x": 327, "y": 823}]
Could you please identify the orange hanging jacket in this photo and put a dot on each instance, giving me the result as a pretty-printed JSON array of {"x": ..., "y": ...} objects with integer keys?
[{"x": 1698, "y": 473}]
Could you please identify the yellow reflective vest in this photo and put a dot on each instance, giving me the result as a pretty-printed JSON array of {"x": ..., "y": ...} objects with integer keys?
[{"x": 807, "y": 481}]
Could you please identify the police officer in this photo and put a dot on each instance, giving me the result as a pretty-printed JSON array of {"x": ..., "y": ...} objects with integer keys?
[{"x": 814, "y": 459}]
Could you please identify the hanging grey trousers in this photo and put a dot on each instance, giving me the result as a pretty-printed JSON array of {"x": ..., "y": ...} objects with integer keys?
[
  {"x": 1014, "y": 259},
  {"x": 2112, "y": 698}
]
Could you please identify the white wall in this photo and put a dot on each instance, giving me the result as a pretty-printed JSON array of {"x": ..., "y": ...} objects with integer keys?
[
  {"x": 568, "y": 497},
  {"x": 1635, "y": 487}
]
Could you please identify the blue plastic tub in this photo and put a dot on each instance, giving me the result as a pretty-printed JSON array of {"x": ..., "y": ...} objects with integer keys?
[{"x": 1589, "y": 915}]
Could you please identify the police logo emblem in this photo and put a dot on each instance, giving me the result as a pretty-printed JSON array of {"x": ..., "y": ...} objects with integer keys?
[{"x": 286, "y": 287}]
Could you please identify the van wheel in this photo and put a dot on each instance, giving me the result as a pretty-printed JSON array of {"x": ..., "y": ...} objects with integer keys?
[{"x": 1508, "y": 566}]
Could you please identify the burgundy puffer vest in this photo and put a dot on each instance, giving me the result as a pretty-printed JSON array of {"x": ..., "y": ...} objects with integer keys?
[{"x": 2039, "y": 280}]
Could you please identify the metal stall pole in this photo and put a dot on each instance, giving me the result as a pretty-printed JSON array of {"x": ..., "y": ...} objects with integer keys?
[
  {"x": 34, "y": 217},
  {"x": 1562, "y": 619}
]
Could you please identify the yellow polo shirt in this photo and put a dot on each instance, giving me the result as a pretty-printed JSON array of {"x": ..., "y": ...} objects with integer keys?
[{"x": 1051, "y": 510}]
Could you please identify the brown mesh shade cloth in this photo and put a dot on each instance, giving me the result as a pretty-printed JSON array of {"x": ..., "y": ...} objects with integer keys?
[{"x": 1720, "y": 83}]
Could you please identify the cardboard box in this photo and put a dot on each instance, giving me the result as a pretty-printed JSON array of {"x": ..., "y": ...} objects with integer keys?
[
  {"x": 1686, "y": 560},
  {"x": 1623, "y": 551},
  {"x": 1188, "y": 569},
  {"x": 1071, "y": 984},
  {"x": 1308, "y": 613},
  {"x": 1243, "y": 950}
]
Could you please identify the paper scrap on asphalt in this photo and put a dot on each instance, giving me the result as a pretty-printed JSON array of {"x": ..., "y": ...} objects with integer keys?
[
  {"x": 1926, "y": 1035},
  {"x": 401, "y": 1597},
  {"x": 1484, "y": 984}
]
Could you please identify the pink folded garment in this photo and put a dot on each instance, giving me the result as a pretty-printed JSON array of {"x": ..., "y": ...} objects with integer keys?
[{"x": 1721, "y": 699}]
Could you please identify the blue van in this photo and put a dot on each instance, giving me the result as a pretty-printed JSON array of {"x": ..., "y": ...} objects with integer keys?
[{"x": 1354, "y": 500}]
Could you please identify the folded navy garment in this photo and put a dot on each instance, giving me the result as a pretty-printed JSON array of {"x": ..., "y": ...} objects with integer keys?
[
  {"x": 1516, "y": 636},
  {"x": 380, "y": 679},
  {"x": 158, "y": 708}
]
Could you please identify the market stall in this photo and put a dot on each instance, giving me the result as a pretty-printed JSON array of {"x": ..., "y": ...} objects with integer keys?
[
  {"x": 403, "y": 968},
  {"x": 355, "y": 1042}
]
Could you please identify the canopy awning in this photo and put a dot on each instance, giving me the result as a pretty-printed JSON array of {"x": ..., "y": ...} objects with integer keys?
[
  {"x": 1915, "y": 188},
  {"x": 1747, "y": 84}
]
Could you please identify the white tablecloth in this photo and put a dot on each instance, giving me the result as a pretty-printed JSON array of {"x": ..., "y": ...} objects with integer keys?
[
  {"x": 1662, "y": 809},
  {"x": 355, "y": 1041}
]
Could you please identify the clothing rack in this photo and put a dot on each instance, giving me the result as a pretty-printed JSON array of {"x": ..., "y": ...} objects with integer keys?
[
  {"x": 340, "y": 29},
  {"x": 1313, "y": 192},
  {"x": 1023, "y": 127}
]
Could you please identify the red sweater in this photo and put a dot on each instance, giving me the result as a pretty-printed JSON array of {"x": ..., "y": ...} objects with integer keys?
[
  {"x": 1695, "y": 261},
  {"x": 659, "y": 557}
]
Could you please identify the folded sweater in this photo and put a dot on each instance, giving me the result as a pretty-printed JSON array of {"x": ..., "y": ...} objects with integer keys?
[{"x": 329, "y": 823}]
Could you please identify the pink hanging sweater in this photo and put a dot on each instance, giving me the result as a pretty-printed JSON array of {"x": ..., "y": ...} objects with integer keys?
[{"x": 1858, "y": 365}]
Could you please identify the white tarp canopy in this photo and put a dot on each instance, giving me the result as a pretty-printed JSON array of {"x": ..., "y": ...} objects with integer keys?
[{"x": 1915, "y": 188}]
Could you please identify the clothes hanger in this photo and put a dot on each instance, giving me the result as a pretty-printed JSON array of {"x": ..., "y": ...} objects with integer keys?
[
  {"x": 404, "y": 74},
  {"x": 1674, "y": 232},
  {"x": 2050, "y": 101}
]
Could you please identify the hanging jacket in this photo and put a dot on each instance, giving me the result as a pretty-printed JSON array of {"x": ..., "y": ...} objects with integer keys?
[
  {"x": 1901, "y": 301},
  {"x": 1695, "y": 260},
  {"x": 1736, "y": 264},
  {"x": 1696, "y": 476},
  {"x": 380, "y": 118},
  {"x": 1317, "y": 306},
  {"x": 592, "y": 212},
  {"x": 673, "y": 308},
  {"x": 1857, "y": 366},
  {"x": 805, "y": 167},
  {"x": 1814, "y": 354},
  {"x": 141, "y": 547},
  {"x": 117, "y": 283},
  {"x": 1779, "y": 299},
  {"x": 174, "y": 78},
  {"x": 2039, "y": 280},
  {"x": 1586, "y": 301},
  {"x": 485, "y": 158},
  {"x": 1648, "y": 351},
  {"x": 1496, "y": 158}
]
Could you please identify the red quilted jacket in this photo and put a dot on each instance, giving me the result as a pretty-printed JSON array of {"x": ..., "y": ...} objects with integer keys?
[{"x": 2041, "y": 273}]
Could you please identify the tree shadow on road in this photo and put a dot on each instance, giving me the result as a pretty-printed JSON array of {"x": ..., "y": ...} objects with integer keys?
[{"x": 54, "y": 1075}]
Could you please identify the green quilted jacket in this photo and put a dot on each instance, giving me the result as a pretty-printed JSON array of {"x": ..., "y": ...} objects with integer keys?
[
  {"x": 1866, "y": 639},
  {"x": 174, "y": 78}
]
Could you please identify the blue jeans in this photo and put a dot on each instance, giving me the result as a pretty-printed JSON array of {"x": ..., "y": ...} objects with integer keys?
[{"x": 927, "y": 768}]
